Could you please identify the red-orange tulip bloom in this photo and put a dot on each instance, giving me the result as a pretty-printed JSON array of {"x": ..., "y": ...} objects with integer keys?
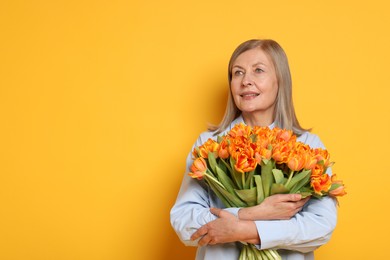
[
  {"x": 198, "y": 168},
  {"x": 317, "y": 170},
  {"x": 263, "y": 153},
  {"x": 281, "y": 151},
  {"x": 321, "y": 184}
]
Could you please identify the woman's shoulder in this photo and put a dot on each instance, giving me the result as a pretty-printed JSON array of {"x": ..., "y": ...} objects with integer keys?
[
  {"x": 313, "y": 140},
  {"x": 204, "y": 136}
]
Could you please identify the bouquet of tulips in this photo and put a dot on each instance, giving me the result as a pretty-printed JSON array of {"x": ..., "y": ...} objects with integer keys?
[{"x": 247, "y": 165}]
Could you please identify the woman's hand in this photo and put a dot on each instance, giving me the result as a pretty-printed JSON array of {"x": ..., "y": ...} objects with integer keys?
[
  {"x": 278, "y": 206},
  {"x": 227, "y": 228}
]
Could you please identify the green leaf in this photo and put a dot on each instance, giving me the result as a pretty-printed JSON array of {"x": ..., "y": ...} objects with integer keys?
[
  {"x": 222, "y": 161},
  {"x": 267, "y": 177},
  {"x": 259, "y": 187},
  {"x": 278, "y": 175},
  {"x": 278, "y": 188},
  {"x": 248, "y": 195},
  {"x": 229, "y": 199},
  {"x": 212, "y": 161},
  {"x": 236, "y": 176},
  {"x": 335, "y": 186},
  {"x": 300, "y": 184},
  {"x": 249, "y": 180},
  {"x": 298, "y": 177},
  {"x": 305, "y": 194},
  {"x": 217, "y": 192},
  {"x": 224, "y": 179}
]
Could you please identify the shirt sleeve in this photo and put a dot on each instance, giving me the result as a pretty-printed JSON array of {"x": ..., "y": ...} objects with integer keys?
[
  {"x": 307, "y": 230},
  {"x": 192, "y": 207}
]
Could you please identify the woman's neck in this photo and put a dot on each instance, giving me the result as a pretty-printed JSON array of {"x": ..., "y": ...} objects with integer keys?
[{"x": 256, "y": 120}]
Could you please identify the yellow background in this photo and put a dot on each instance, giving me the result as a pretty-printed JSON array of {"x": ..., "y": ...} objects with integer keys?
[{"x": 100, "y": 102}]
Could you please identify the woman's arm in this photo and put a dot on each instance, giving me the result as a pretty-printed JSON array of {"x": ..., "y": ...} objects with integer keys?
[
  {"x": 225, "y": 229},
  {"x": 304, "y": 232},
  {"x": 276, "y": 207},
  {"x": 229, "y": 228}
]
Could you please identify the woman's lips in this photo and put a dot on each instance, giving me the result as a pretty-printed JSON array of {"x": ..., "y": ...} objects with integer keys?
[{"x": 249, "y": 95}]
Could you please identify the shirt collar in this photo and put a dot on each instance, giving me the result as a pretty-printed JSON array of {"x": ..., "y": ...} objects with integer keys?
[{"x": 240, "y": 119}]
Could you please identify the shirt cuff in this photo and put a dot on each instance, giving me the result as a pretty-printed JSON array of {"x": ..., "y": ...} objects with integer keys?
[
  {"x": 233, "y": 211},
  {"x": 273, "y": 233}
]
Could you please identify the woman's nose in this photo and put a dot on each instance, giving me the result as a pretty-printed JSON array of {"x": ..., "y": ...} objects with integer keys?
[{"x": 247, "y": 80}]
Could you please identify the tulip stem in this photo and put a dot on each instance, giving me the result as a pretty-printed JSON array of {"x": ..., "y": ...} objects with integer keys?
[
  {"x": 227, "y": 165},
  {"x": 215, "y": 180},
  {"x": 289, "y": 178}
]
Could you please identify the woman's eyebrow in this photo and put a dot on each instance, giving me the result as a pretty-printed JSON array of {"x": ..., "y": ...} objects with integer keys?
[
  {"x": 237, "y": 66},
  {"x": 259, "y": 63}
]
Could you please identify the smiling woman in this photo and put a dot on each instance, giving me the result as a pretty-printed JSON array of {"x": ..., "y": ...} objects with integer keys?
[{"x": 260, "y": 95}]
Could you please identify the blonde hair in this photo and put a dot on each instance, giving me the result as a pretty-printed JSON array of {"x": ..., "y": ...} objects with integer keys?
[{"x": 284, "y": 115}]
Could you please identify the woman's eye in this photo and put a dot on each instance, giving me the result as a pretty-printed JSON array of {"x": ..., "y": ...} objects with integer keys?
[
  {"x": 258, "y": 70},
  {"x": 238, "y": 73}
]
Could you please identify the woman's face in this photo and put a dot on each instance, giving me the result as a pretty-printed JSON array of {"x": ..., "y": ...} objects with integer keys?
[{"x": 254, "y": 84}]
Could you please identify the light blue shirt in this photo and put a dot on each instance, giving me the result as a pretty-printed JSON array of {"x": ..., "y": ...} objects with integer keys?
[{"x": 295, "y": 239}]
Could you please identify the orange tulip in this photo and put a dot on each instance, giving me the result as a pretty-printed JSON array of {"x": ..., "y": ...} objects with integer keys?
[
  {"x": 311, "y": 161},
  {"x": 244, "y": 163},
  {"x": 263, "y": 153},
  {"x": 321, "y": 184},
  {"x": 223, "y": 151},
  {"x": 317, "y": 170},
  {"x": 198, "y": 168},
  {"x": 209, "y": 146},
  {"x": 238, "y": 145},
  {"x": 285, "y": 135},
  {"x": 240, "y": 130},
  {"x": 262, "y": 133},
  {"x": 322, "y": 155},
  {"x": 339, "y": 191},
  {"x": 281, "y": 151},
  {"x": 296, "y": 161},
  {"x": 195, "y": 153}
]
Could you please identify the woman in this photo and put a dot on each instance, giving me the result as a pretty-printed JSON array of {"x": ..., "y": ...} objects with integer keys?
[{"x": 260, "y": 95}]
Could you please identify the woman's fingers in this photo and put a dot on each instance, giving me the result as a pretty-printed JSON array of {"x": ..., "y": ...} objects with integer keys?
[
  {"x": 200, "y": 232},
  {"x": 216, "y": 211}
]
